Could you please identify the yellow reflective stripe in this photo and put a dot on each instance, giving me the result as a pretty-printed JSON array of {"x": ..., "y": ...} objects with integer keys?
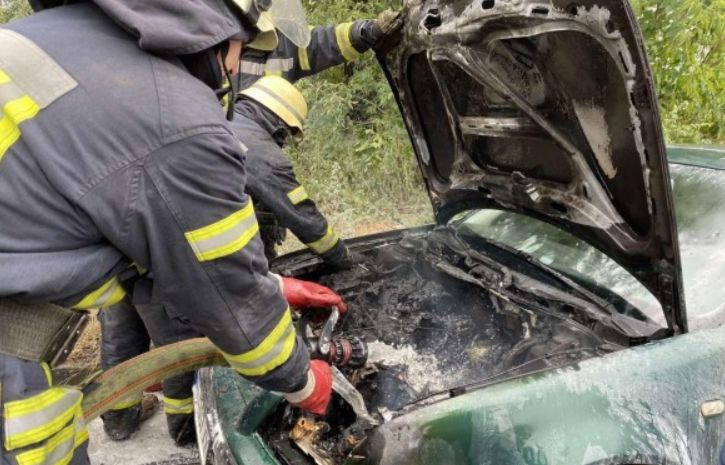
[
  {"x": 342, "y": 35},
  {"x": 226, "y": 236},
  {"x": 297, "y": 195},
  {"x": 48, "y": 374},
  {"x": 124, "y": 404},
  {"x": 327, "y": 242},
  {"x": 32, "y": 420},
  {"x": 59, "y": 449},
  {"x": 110, "y": 293},
  {"x": 4, "y": 78},
  {"x": 178, "y": 406},
  {"x": 273, "y": 73},
  {"x": 303, "y": 58},
  {"x": 15, "y": 112},
  {"x": 272, "y": 352}
]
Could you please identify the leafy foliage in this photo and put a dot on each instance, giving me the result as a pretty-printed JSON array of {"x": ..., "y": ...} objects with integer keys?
[
  {"x": 685, "y": 41},
  {"x": 11, "y": 9}
]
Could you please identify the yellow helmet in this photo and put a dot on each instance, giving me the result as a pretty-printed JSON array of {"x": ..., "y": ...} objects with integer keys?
[{"x": 280, "y": 97}]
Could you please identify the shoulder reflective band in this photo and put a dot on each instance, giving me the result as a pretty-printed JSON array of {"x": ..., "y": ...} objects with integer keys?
[
  {"x": 281, "y": 65},
  {"x": 271, "y": 353},
  {"x": 178, "y": 406},
  {"x": 59, "y": 449},
  {"x": 342, "y": 35},
  {"x": 327, "y": 242},
  {"x": 281, "y": 97},
  {"x": 32, "y": 420},
  {"x": 297, "y": 195},
  {"x": 226, "y": 236},
  {"x": 29, "y": 81},
  {"x": 251, "y": 67},
  {"x": 110, "y": 293}
]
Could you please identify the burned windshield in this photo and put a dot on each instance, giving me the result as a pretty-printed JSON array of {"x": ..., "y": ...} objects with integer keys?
[{"x": 561, "y": 251}]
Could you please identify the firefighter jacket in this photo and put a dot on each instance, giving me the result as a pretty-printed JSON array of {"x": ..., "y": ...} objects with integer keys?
[{"x": 103, "y": 170}]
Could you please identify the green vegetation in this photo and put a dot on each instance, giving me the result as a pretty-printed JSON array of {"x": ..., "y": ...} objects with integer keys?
[{"x": 356, "y": 159}]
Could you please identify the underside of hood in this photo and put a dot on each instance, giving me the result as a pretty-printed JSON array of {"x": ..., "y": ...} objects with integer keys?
[{"x": 545, "y": 108}]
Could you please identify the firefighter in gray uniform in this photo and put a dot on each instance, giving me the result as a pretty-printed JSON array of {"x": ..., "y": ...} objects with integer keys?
[
  {"x": 267, "y": 112},
  {"x": 104, "y": 174}
]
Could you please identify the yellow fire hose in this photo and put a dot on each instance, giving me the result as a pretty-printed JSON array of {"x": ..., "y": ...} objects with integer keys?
[{"x": 129, "y": 379}]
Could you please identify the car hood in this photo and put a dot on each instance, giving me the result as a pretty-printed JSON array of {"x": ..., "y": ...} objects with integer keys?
[{"x": 546, "y": 108}]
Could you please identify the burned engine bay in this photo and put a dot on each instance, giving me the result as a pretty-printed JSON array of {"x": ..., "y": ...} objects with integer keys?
[{"x": 439, "y": 314}]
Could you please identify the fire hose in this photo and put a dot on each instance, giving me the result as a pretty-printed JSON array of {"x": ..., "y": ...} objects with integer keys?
[{"x": 129, "y": 379}]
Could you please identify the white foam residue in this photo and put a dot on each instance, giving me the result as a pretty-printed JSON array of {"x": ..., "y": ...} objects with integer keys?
[{"x": 424, "y": 372}]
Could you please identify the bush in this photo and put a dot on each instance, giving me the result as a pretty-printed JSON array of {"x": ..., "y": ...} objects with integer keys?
[{"x": 684, "y": 40}]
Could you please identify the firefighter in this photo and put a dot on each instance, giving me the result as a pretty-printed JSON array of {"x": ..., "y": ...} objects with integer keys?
[
  {"x": 105, "y": 175},
  {"x": 269, "y": 103},
  {"x": 267, "y": 113}
]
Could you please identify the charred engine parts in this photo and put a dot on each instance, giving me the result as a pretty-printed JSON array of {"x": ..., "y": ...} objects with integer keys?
[{"x": 337, "y": 350}]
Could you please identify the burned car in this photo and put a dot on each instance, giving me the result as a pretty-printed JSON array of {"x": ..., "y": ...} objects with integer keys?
[{"x": 541, "y": 319}]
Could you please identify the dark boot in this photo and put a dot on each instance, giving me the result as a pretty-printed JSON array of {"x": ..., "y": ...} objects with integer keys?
[
  {"x": 181, "y": 428},
  {"x": 119, "y": 425}
]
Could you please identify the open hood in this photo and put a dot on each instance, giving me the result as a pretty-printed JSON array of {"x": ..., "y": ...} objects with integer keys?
[{"x": 545, "y": 108}]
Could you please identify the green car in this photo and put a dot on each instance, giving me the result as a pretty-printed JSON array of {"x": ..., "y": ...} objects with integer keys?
[{"x": 541, "y": 320}]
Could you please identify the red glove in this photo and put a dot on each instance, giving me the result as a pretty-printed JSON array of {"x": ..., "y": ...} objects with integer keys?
[
  {"x": 305, "y": 294},
  {"x": 315, "y": 396}
]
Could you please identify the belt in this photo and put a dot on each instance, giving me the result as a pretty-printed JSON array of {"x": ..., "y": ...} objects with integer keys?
[{"x": 38, "y": 332}]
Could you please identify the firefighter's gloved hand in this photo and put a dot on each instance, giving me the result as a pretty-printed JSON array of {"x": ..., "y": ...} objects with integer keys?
[
  {"x": 304, "y": 294},
  {"x": 388, "y": 22},
  {"x": 315, "y": 396}
]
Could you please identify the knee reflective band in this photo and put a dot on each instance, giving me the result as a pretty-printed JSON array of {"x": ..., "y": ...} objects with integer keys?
[
  {"x": 327, "y": 242},
  {"x": 178, "y": 406},
  {"x": 29, "y": 81},
  {"x": 226, "y": 236},
  {"x": 35, "y": 419},
  {"x": 272, "y": 352},
  {"x": 342, "y": 35},
  {"x": 110, "y": 293},
  {"x": 297, "y": 195},
  {"x": 280, "y": 97}
]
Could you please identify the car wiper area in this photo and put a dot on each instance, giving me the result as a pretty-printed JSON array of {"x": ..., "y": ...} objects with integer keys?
[{"x": 555, "y": 287}]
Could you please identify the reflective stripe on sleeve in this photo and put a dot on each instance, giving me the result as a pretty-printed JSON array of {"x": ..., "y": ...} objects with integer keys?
[
  {"x": 271, "y": 353},
  {"x": 327, "y": 242},
  {"x": 297, "y": 195},
  {"x": 178, "y": 406},
  {"x": 226, "y": 236},
  {"x": 342, "y": 35},
  {"x": 110, "y": 293},
  {"x": 304, "y": 59},
  {"x": 59, "y": 449},
  {"x": 32, "y": 420}
]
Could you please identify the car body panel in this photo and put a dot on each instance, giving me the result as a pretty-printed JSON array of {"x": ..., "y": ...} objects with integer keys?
[
  {"x": 640, "y": 405},
  {"x": 546, "y": 108}
]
